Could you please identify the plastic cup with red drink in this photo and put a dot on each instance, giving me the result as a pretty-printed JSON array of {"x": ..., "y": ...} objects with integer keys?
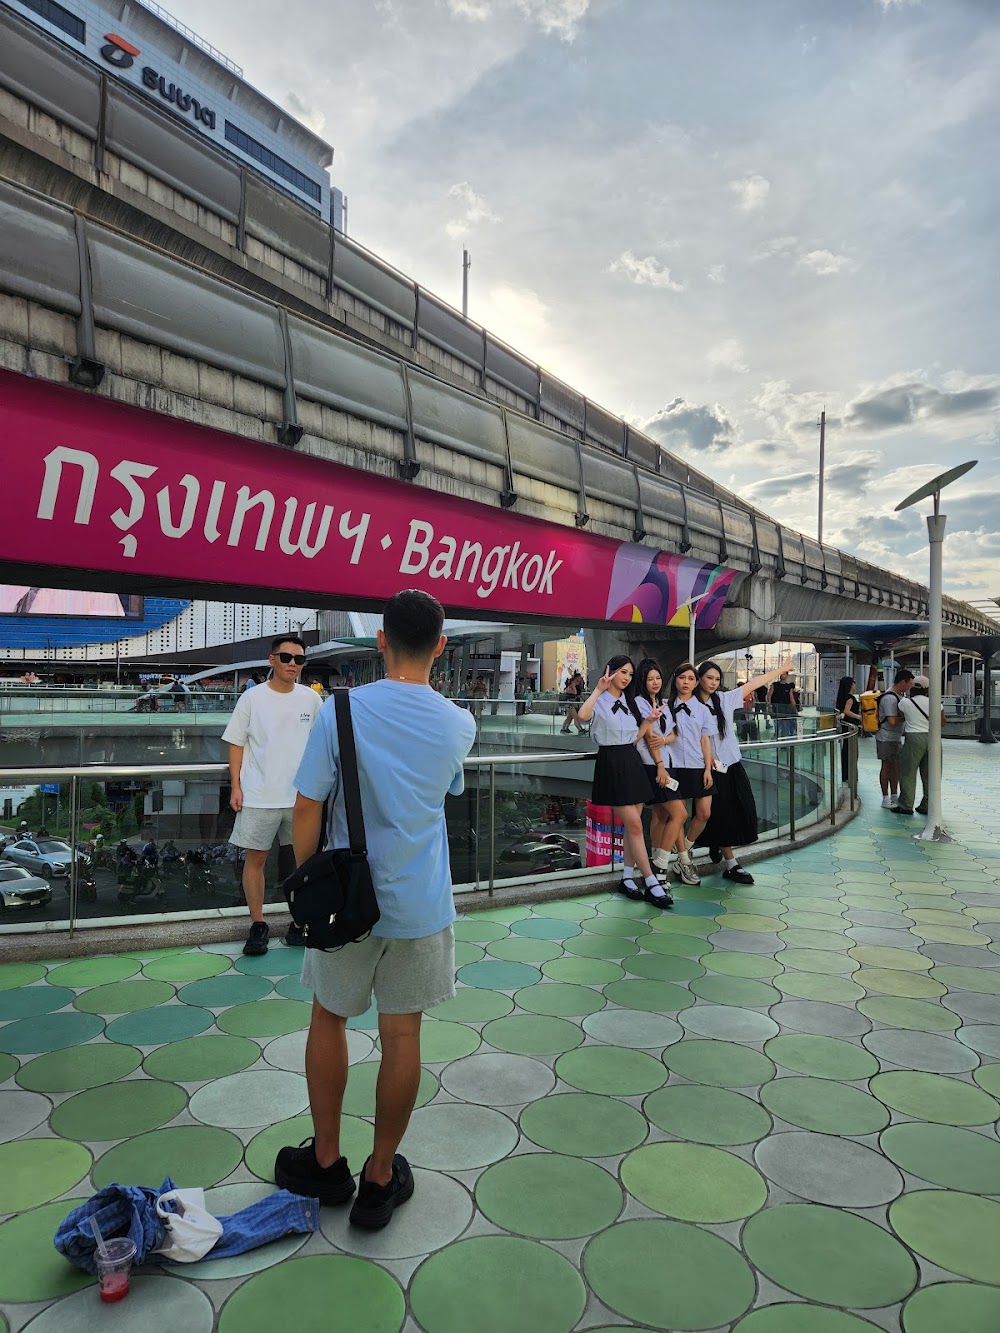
[{"x": 114, "y": 1265}]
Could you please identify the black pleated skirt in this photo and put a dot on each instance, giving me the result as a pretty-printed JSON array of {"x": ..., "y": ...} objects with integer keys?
[
  {"x": 619, "y": 776},
  {"x": 733, "y": 822}
]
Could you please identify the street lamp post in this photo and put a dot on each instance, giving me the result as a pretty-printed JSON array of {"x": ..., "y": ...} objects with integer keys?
[
  {"x": 933, "y": 830},
  {"x": 692, "y": 610}
]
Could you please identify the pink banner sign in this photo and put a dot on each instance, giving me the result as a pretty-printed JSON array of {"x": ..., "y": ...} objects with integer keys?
[{"x": 100, "y": 486}]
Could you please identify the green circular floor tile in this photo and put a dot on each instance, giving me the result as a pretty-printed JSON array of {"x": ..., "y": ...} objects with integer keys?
[
  {"x": 668, "y": 1275},
  {"x": 181, "y": 967},
  {"x": 930, "y": 916},
  {"x": 583, "y": 1124},
  {"x": 988, "y": 1078},
  {"x": 738, "y": 991},
  {"x": 978, "y": 980},
  {"x": 824, "y": 1106},
  {"x": 365, "y": 1297},
  {"x": 792, "y": 1244},
  {"x": 221, "y": 992},
  {"x": 868, "y": 902},
  {"x": 546, "y": 928},
  {"x": 798, "y": 937},
  {"x": 677, "y": 946},
  {"x": 494, "y": 974},
  {"x": 659, "y": 967},
  {"x": 8, "y": 1066},
  {"x": 50, "y": 1032},
  {"x": 190, "y": 1154},
  {"x": 707, "y": 1114},
  {"x": 14, "y": 975},
  {"x": 570, "y": 909},
  {"x": 799, "y": 1318},
  {"x": 624, "y": 926},
  {"x": 474, "y": 930},
  {"x": 748, "y": 921},
  {"x": 198, "y": 1059},
  {"x": 732, "y": 963},
  {"x": 277, "y": 962},
  {"x": 693, "y": 1182},
  {"x": 124, "y": 997},
  {"x": 601, "y": 946},
  {"x": 953, "y": 1305},
  {"x": 550, "y": 1293},
  {"x": 722, "y": 1064},
  {"x": 94, "y": 971},
  {"x": 34, "y": 1171},
  {"x": 359, "y": 1099},
  {"x": 583, "y": 971},
  {"x": 154, "y": 1027},
  {"x": 905, "y": 985},
  {"x": 291, "y": 988},
  {"x": 694, "y": 907},
  {"x": 824, "y": 961},
  {"x": 517, "y": 949},
  {"x": 904, "y": 960},
  {"x": 265, "y": 1018},
  {"x": 31, "y": 1268},
  {"x": 532, "y": 1034},
  {"x": 33, "y": 1001},
  {"x": 440, "y": 1041},
  {"x": 473, "y": 1006},
  {"x": 917, "y": 1015},
  {"x": 971, "y": 939},
  {"x": 935, "y": 1097},
  {"x": 610, "y": 1070},
  {"x": 958, "y": 1159},
  {"x": 821, "y": 1057},
  {"x": 118, "y": 1110},
  {"x": 681, "y": 925},
  {"x": 819, "y": 986},
  {"x": 959, "y": 1232},
  {"x": 769, "y": 907},
  {"x": 560, "y": 1000},
  {"x": 660, "y": 997},
  {"x": 548, "y": 1196},
  {"x": 618, "y": 905},
  {"x": 800, "y": 920},
  {"x": 79, "y": 1067},
  {"x": 356, "y": 1137},
  {"x": 505, "y": 915},
  {"x": 166, "y": 1303}
]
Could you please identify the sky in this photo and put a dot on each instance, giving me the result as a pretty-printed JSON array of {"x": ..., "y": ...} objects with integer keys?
[{"x": 714, "y": 218}]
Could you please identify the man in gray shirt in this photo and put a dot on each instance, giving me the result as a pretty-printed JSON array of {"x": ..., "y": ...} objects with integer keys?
[{"x": 889, "y": 737}]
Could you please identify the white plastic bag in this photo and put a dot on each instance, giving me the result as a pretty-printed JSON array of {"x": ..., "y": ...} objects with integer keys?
[{"x": 191, "y": 1231}]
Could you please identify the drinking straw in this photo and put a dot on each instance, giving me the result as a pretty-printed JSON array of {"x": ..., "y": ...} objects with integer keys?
[{"x": 98, "y": 1237}]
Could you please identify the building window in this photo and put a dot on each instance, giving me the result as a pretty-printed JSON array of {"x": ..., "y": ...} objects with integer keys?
[
  {"x": 58, "y": 17},
  {"x": 272, "y": 162}
]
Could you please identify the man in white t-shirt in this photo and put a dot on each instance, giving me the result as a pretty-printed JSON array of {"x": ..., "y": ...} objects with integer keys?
[{"x": 267, "y": 735}]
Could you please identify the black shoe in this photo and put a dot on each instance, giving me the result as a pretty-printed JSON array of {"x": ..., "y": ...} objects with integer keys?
[
  {"x": 374, "y": 1205},
  {"x": 631, "y": 890},
  {"x": 901, "y": 810},
  {"x": 297, "y": 1169},
  {"x": 294, "y": 937},
  {"x": 715, "y": 855},
  {"x": 260, "y": 933},
  {"x": 662, "y": 900},
  {"x": 921, "y": 810},
  {"x": 738, "y": 875}
]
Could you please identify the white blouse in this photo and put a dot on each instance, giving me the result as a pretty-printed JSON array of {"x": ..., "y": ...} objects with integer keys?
[
  {"x": 645, "y": 753},
  {"x": 727, "y": 748},
  {"x": 613, "y": 722},
  {"x": 691, "y": 721}
]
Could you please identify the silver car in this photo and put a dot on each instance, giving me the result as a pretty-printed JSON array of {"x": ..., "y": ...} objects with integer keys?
[
  {"x": 50, "y": 857},
  {"x": 20, "y": 888}
]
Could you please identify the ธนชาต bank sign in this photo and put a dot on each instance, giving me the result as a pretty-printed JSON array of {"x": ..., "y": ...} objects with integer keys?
[{"x": 99, "y": 486}]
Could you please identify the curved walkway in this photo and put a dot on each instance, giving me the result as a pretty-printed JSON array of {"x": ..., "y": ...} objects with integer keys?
[{"x": 772, "y": 1110}]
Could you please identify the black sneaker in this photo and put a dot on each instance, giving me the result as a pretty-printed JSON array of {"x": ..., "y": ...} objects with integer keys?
[
  {"x": 297, "y": 1169},
  {"x": 257, "y": 940},
  {"x": 374, "y": 1205},
  {"x": 901, "y": 810},
  {"x": 293, "y": 937},
  {"x": 738, "y": 875}
]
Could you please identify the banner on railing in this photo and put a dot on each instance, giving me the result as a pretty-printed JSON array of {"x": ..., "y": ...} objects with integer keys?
[{"x": 113, "y": 489}]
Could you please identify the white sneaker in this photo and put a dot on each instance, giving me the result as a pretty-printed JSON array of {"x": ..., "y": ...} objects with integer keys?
[{"x": 887, "y": 803}]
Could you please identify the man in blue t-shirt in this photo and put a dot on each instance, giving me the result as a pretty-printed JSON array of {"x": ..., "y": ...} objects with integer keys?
[{"x": 411, "y": 745}]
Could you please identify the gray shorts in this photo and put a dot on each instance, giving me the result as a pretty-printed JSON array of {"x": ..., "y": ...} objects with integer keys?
[
  {"x": 255, "y": 828},
  {"x": 407, "y": 976},
  {"x": 888, "y": 749}
]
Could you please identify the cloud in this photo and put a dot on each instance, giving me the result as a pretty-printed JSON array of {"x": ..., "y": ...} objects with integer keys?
[
  {"x": 751, "y": 192},
  {"x": 728, "y": 355},
  {"x": 309, "y": 116},
  {"x": 475, "y": 210},
  {"x": 681, "y": 424},
  {"x": 824, "y": 263},
  {"x": 518, "y": 315},
  {"x": 787, "y": 412},
  {"x": 774, "y": 248},
  {"x": 904, "y": 404},
  {"x": 717, "y": 274},
  {"x": 560, "y": 18},
  {"x": 648, "y": 272}
]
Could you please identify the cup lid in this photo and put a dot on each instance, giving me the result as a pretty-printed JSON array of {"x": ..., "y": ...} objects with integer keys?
[{"x": 119, "y": 1249}]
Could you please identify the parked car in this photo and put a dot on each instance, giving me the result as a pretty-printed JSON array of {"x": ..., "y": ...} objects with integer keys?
[
  {"x": 20, "y": 888},
  {"x": 561, "y": 840},
  {"x": 50, "y": 857},
  {"x": 538, "y": 857}
]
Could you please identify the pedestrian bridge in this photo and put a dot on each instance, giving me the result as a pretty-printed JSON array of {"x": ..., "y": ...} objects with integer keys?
[{"x": 226, "y": 395}]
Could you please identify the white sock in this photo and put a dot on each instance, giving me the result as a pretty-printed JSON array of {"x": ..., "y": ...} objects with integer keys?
[
  {"x": 629, "y": 878},
  {"x": 684, "y": 856},
  {"x": 654, "y": 886},
  {"x": 730, "y": 862}
]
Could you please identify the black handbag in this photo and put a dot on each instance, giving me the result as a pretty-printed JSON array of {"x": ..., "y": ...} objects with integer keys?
[{"x": 331, "y": 896}]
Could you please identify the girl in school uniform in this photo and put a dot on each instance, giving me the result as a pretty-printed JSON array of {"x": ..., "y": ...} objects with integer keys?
[
  {"x": 691, "y": 760},
  {"x": 619, "y": 776},
  {"x": 668, "y": 811},
  {"x": 733, "y": 819}
]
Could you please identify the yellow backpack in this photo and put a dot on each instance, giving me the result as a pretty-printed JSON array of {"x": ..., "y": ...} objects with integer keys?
[{"x": 868, "y": 703}]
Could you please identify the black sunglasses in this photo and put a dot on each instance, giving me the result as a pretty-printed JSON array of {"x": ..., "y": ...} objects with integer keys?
[{"x": 287, "y": 658}]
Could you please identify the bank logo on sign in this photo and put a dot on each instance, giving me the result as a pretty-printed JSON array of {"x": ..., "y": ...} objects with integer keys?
[{"x": 118, "y": 51}]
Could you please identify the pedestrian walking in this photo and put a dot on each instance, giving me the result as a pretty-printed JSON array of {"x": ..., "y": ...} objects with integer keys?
[{"x": 786, "y": 704}]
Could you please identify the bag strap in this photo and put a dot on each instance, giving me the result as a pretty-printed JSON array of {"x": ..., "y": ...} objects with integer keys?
[
  {"x": 916, "y": 705},
  {"x": 349, "y": 773}
]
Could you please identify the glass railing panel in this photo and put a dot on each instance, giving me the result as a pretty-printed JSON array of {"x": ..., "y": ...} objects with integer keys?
[{"x": 540, "y": 818}]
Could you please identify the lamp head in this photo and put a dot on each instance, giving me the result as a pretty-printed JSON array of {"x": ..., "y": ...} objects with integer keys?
[{"x": 936, "y": 485}]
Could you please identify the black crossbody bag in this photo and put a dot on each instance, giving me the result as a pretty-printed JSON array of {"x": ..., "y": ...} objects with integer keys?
[{"x": 331, "y": 897}]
